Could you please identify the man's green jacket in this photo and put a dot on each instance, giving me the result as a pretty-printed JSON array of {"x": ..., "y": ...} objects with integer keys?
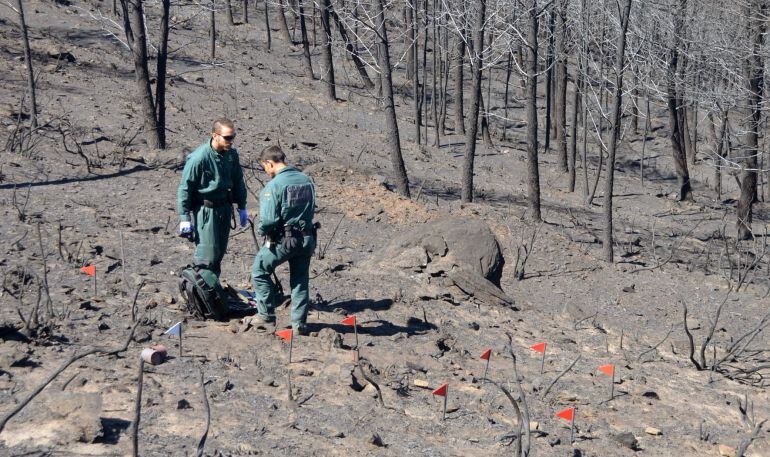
[{"x": 210, "y": 175}]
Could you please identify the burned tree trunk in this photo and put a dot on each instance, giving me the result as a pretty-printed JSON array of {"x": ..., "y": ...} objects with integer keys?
[
  {"x": 413, "y": 55},
  {"x": 307, "y": 63},
  {"x": 267, "y": 26},
  {"x": 229, "y": 10},
  {"x": 212, "y": 32},
  {"x": 533, "y": 171},
  {"x": 476, "y": 60},
  {"x": 613, "y": 146},
  {"x": 282, "y": 23},
  {"x": 549, "y": 78},
  {"x": 28, "y": 62},
  {"x": 391, "y": 123},
  {"x": 755, "y": 12},
  {"x": 459, "y": 58},
  {"x": 327, "y": 75},
  {"x": 351, "y": 50},
  {"x": 133, "y": 25},
  {"x": 245, "y": 11},
  {"x": 160, "y": 84},
  {"x": 674, "y": 102},
  {"x": 561, "y": 84}
]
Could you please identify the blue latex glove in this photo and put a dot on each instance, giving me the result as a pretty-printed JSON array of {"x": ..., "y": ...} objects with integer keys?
[
  {"x": 243, "y": 216},
  {"x": 185, "y": 227}
]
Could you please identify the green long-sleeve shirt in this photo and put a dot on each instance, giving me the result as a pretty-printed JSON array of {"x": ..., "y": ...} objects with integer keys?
[
  {"x": 288, "y": 199},
  {"x": 209, "y": 175}
]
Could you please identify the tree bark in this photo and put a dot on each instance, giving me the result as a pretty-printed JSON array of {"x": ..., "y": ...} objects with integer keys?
[
  {"x": 283, "y": 25},
  {"x": 549, "y": 79},
  {"x": 133, "y": 26},
  {"x": 533, "y": 172},
  {"x": 561, "y": 85},
  {"x": 28, "y": 62},
  {"x": 674, "y": 103},
  {"x": 229, "y": 10},
  {"x": 413, "y": 54},
  {"x": 755, "y": 14},
  {"x": 391, "y": 123},
  {"x": 160, "y": 84},
  {"x": 459, "y": 58},
  {"x": 351, "y": 50},
  {"x": 620, "y": 57},
  {"x": 476, "y": 61},
  {"x": 212, "y": 32},
  {"x": 307, "y": 63},
  {"x": 267, "y": 26},
  {"x": 327, "y": 75},
  {"x": 573, "y": 137}
]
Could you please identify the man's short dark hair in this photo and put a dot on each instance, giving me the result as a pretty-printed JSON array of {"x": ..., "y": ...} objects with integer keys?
[
  {"x": 222, "y": 122},
  {"x": 274, "y": 153}
]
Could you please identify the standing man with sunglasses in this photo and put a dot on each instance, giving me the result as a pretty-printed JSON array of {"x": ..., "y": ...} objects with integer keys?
[{"x": 211, "y": 182}]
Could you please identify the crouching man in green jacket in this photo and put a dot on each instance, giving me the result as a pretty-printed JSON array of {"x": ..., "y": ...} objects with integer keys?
[
  {"x": 286, "y": 208},
  {"x": 211, "y": 182}
]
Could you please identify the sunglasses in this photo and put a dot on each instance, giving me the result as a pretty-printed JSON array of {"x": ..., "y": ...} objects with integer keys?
[{"x": 227, "y": 137}]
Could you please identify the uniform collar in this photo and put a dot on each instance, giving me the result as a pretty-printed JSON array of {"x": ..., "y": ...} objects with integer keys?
[{"x": 286, "y": 168}]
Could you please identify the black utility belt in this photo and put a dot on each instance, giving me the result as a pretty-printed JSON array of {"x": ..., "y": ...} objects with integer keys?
[{"x": 215, "y": 203}]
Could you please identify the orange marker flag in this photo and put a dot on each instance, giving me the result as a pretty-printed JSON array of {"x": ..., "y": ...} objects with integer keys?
[
  {"x": 350, "y": 320},
  {"x": 90, "y": 270},
  {"x": 539, "y": 347},
  {"x": 609, "y": 370},
  {"x": 486, "y": 355},
  {"x": 441, "y": 390},
  {"x": 567, "y": 414},
  {"x": 285, "y": 334}
]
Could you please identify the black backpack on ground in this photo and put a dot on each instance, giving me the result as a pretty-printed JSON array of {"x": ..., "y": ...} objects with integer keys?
[{"x": 202, "y": 293}]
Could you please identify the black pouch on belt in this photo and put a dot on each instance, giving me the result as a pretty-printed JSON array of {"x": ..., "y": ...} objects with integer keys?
[{"x": 291, "y": 238}]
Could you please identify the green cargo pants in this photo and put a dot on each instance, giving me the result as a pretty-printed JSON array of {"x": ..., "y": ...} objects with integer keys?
[
  {"x": 212, "y": 230},
  {"x": 265, "y": 263}
]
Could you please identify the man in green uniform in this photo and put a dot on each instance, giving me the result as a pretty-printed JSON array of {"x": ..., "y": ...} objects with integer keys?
[
  {"x": 286, "y": 207},
  {"x": 211, "y": 182}
]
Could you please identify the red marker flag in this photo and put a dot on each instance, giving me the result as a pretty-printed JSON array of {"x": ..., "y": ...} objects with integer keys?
[
  {"x": 486, "y": 355},
  {"x": 90, "y": 270},
  {"x": 350, "y": 320},
  {"x": 441, "y": 390},
  {"x": 609, "y": 370},
  {"x": 567, "y": 414},
  {"x": 285, "y": 334},
  {"x": 539, "y": 347}
]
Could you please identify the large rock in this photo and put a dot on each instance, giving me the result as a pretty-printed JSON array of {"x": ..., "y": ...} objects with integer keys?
[
  {"x": 466, "y": 243},
  {"x": 80, "y": 415},
  {"x": 460, "y": 257}
]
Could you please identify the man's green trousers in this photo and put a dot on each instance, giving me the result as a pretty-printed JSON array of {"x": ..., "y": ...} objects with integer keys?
[
  {"x": 212, "y": 228},
  {"x": 265, "y": 294}
]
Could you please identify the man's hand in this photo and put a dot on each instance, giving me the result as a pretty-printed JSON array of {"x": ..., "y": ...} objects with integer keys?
[
  {"x": 243, "y": 216},
  {"x": 185, "y": 227}
]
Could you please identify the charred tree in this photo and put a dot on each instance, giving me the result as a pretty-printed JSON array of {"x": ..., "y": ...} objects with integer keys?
[
  {"x": 307, "y": 63},
  {"x": 608, "y": 243},
  {"x": 755, "y": 30},
  {"x": 327, "y": 75},
  {"x": 28, "y": 62},
  {"x": 476, "y": 61},
  {"x": 533, "y": 171},
  {"x": 391, "y": 123},
  {"x": 459, "y": 58},
  {"x": 351, "y": 50},
  {"x": 674, "y": 103},
  {"x": 133, "y": 25},
  {"x": 560, "y": 105}
]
